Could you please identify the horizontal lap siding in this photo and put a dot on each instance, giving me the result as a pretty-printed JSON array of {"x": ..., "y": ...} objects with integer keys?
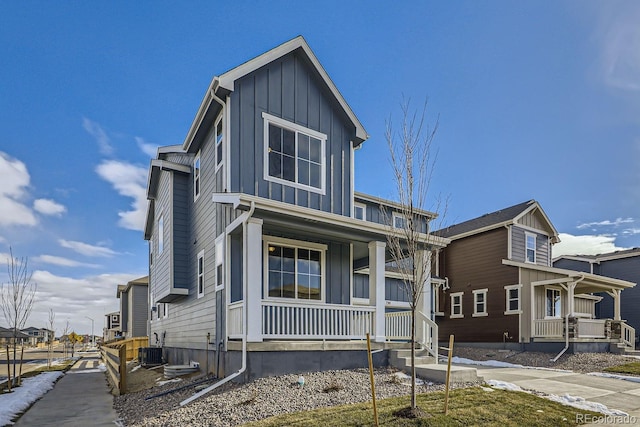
[
  {"x": 518, "y": 248},
  {"x": 289, "y": 88},
  {"x": 476, "y": 263}
]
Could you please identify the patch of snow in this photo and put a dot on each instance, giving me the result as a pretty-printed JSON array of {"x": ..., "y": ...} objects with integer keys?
[
  {"x": 503, "y": 385},
  {"x": 615, "y": 376},
  {"x": 14, "y": 403},
  {"x": 404, "y": 378},
  {"x": 581, "y": 403},
  {"x": 175, "y": 380},
  {"x": 135, "y": 368},
  {"x": 499, "y": 364}
]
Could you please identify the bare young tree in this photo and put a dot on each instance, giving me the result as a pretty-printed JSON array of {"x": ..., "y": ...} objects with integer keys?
[
  {"x": 16, "y": 298},
  {"x": 50, "y": 336},
  {"x": 412, "y": 160}
]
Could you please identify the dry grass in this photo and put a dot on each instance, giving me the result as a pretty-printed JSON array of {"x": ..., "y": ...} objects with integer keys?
[{"x": 632, "y": 368}]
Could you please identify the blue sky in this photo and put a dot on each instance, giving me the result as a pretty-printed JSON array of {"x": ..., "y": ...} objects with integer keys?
[{"x": 536, "y": 100}]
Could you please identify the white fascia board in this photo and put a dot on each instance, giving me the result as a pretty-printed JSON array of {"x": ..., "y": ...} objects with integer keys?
[
  {"x": 593, "y": 278},
  {"x": 320, "y": 216},
  {"x": 227, "y": 198},
  {"x": 609, "y": 257},
  {"x": 574, "y": 258},
  {"x": 202, "y": 110},
  {"x": 531, "y": 208},
  {"x": 227, "y": 80},
  {"x": 391, "y": 203},
  {"x": 148, "y": 220},
  {"x": 166, "y": 165}
]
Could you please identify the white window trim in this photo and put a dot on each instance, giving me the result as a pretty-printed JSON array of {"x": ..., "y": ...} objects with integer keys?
[
  {"x": 397, "y": 215},
  {"x": 220, "y": 257},
  {"x": 477, "y": 292},
  {"x": 364, "y": 210},
  {"x": 453, "y": 296},
  {"x": 198, "y": 275},
  {"x": 507, "y": 299},
  {"x": 197, "y": 176},
  {"x": 436, "y": 302},
  {"x": 554, "y": 288},
  {"x": 268, "y": 118},
  {"x": 298, "y": 244},
  {"x": 219, "y": 162},
  {"x": 161, "y": 234},
  {"x": 526, "y": 248}
]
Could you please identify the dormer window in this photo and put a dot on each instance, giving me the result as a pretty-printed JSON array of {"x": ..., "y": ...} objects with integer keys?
[{"x": 294, "y": 155}]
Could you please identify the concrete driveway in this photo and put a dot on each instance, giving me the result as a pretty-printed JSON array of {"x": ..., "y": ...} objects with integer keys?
[{"x": 614, "y": 393}]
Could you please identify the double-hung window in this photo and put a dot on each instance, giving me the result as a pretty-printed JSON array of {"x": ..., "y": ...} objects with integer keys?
[
  {"x": 456, "y": 305},
  {"x": 219, "y": 140},
  {"x": 530, "y": 247},
  {"x": 295, "y": 269},
  {"x": 512, "y": 299},
  {"x": 196, "y": 177},
  {"x": 294, "y": 154},
  {"x": 480, "y": 302},
  {"x": 200, "y": 274}
]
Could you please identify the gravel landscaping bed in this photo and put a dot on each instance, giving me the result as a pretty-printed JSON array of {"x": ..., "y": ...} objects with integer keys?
[{"x": 234, "y": 404}]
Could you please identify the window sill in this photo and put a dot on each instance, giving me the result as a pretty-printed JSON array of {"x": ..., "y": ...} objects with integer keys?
[
  {"x": 456, "y": 316},
  {"x": 479, "y": 314},
  {"x": 513, "y": 312},
  {"x": 438, "y": 313}
]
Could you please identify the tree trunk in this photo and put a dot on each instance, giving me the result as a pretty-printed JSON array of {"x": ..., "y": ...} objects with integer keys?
[{"x": 413, "y": 358}]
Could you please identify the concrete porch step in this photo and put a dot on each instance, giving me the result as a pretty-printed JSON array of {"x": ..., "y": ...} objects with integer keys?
[{"x": 428, "y": 369}]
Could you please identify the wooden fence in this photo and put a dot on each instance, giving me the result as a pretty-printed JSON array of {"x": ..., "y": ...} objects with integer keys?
[
  {"x": 115, "y": 359},
  {"x": 131, "y": 344}
]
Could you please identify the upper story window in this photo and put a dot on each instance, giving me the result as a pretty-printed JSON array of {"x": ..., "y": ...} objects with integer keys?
[
  {"x": 360, "y": 211},
  {"x": 219, "y": 263},
  {"x": 160, "y": 234},
  {"x": 399, "y": 220},
  {"x": 219, "y": 138},
  {"x": 530, "y": 247},
  {"x": 480, "y": 302},
  {"x": 295, "y": 269},
  {"x": 196, "y": 177},
  {"x": 294, "y": 155},
  {"x": 456, "y": 305}
]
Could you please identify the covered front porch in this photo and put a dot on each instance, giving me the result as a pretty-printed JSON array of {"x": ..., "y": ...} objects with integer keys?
[{"x": 561, "y": 305}]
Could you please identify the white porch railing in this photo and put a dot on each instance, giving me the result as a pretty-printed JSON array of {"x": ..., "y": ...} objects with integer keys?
[
  {"x": 628, "y": 335},
  {"x": 235, "y": 319},
  {"x": 548, "y": 328},
  {"x": 313, "y": 321},
  {"x": 590, "y": 328},
  {"x": 398, "y": 327}
]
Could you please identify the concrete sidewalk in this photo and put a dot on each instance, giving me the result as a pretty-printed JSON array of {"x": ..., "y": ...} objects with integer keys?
[
  {"x": 614, "y": 393},
  {"x": 80, "y": 398}
]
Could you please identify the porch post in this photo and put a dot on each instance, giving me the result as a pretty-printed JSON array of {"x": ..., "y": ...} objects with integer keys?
[
  {"x": 377, "y": 287},
  {"x": 616, "y": 304},
  {"x": 571, "y": 286},
  {"x": 253, "y": 278}
]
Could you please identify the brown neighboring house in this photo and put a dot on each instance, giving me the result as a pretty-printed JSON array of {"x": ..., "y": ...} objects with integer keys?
[{"x": 497, "y": 285}]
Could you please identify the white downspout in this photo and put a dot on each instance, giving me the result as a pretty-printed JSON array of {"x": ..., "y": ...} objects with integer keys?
[
  {"x": 245, "y": 217},
  {"x": 566, "y": 326}
]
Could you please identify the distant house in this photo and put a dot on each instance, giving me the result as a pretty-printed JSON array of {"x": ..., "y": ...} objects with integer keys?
[
  {"x": 623, "y": 265},
  {"x": 499, "y": 286},
  {"x": 6, "y": 337},
  {"x": 261, "y": 254},
  {"x": 134, "y": 307},
  {"x": 38, "y": 335},
  {"x": 112, "y": 329}
]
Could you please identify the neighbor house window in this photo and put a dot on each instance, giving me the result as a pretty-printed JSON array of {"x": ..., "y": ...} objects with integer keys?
[
  {"x": 531, "y": 247},
  {"x": 294, "y": 155},
  {"x": 219, "y": 263},
  {"x": 480, "y": 302},
  {"x": 200, "y": 274},
  {"x": 359, "y": 211},
  {"x": 512, "y": 299},
  {"x": 399, "y": 220},
  {"x": 456, "y": 305},
  {"x": 196, "y": 177},
  {"x": 294, "y": 270},
  {"x": 160, "y": 234},
  {"x": 553, "y": 303},
  {"x": 219, "y": 140}
]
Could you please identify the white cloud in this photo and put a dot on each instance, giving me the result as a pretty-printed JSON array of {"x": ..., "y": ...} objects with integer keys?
[
  {"x": 621, "y": 46},
  {"x": 87, "y": 249},
  {"x": 606, "y": 223},
  {"x": 103, "y": 140},
  {"x": 15, "y": 182},
  {"x": 63, "y": 262},
  {"x": 49, "y": 207},
  {"x": 150, "y": 150},
  {"x": 584, "y": 245},
  {"x": 130, "y": 181}
]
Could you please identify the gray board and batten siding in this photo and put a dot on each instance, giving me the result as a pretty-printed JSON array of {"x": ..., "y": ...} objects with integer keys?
[
  {"x": 138, "y": 308},
  {"x": 289, "y": 88}
]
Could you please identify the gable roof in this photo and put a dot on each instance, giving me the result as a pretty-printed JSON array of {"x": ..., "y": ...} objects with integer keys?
[
  {"x": 225, "y": 83},
  {"x": 627, "y": 253},
  {"x": 497, "y": 219}
]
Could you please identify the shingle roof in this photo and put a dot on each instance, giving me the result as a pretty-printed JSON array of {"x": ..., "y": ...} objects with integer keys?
[
  {"x": 615, "y": 254},
  {"x": 486, "y": 220}
]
